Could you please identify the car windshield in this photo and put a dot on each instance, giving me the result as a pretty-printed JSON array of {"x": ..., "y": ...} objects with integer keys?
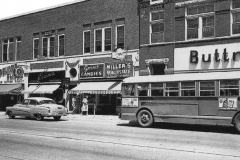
[{"x": 47, "y": 102}]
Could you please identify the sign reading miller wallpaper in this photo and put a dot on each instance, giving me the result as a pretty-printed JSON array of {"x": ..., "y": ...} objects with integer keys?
[{"x": 107, "y": 70}]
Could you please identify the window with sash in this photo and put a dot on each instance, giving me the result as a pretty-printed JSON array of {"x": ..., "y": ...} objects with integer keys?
[
  {"x": 8, "y": 50},
  {"x": 86, "y": 41},
  {"x": 229, "y": 88},
  {"x": 48, "y": 45},
  {"x": 188, "y": 89},
  {"x": 235, "y": 17},
  {"x": 120, "y": 36},
  {"x": 103, "y": 39},
  {"x": 35, "y": 48},
  {"x": 207, "y": 88},
  {"x": 157, "y": 26},
  {"x": 200, "y": 21},
  {"x": 61, "y": 45}
]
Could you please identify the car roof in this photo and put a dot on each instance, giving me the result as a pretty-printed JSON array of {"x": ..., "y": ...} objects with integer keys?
[{"x": 39, "y": 98}]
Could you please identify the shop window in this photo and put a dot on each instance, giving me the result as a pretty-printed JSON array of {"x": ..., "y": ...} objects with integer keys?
[
  {"x": 188, "y": 88},
  {"x": 157, "y": 89},
  {"x": 157, "y": 27},
  {"x": 142, "y": 89},
  {"x": 86, "y": 43},
  {"x": 8, "y": 50},
  {"x": 171, "y": 89},
  {"x": 61, "y": 45},
  {"x": 48, "y": 44},
  {"x": 229, "y": 88},
  {"x": 200, "y": 22},
  {"x": 104, "y": 99},
  {"x": 18, "y": 48},
  {"x": 103, "y": 40},
  {"x": 207, "y": 88},
  {"x": 120, "y": 36},
  {"x": 128, "y": 89},
  {"x": 35, "y": 48}
]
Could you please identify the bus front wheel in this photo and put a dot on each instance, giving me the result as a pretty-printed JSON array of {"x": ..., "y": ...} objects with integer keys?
[
  {"x": 237, "y": 122},
  {"x": 145, "y": 118}
]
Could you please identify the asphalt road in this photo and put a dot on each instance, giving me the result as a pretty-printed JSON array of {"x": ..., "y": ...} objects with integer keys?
[{"x": 22, "y": 139}]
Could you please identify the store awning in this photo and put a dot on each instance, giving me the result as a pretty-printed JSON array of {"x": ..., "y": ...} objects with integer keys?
[
  {"x": 11, "y": 88},
  {"x": 41, "y": 89},
  {"x": 97, "y": 88}
]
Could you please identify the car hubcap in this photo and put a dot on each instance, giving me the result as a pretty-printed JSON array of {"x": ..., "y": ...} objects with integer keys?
[{"x": 145, "y": 118}]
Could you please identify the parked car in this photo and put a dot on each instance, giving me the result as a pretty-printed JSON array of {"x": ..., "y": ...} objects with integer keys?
[{"x": 37, "y": 107}]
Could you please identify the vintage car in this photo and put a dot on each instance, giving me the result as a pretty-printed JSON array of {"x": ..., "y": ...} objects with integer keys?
[{"x": 37, "y": 107}]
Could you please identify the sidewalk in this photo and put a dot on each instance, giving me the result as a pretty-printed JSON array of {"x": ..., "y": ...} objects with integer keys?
[{"x": 78, "y": 117}]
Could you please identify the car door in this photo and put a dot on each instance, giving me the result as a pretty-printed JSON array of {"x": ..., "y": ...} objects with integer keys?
[
  {"x": 30, "y": 107},
  {"x": 21, "y": 108}
]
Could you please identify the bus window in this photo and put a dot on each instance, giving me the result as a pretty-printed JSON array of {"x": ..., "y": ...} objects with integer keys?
[
  {"x": 207, "y": 88},
  {"x": 188, "y": 89},
  {"x": 157, "y": 89},
  {"x": 128, "y": 89},
  {"x": 171, "y": 89},
  {"x": 142, "y": 89},
  {"x": 229, "y": 88}
]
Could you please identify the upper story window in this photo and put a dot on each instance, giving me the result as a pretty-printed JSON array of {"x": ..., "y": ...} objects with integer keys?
[
  {"x": 48, "y": 44},
  {"x": 120, "y": 36},
  {"x": 18, "y": 48},
  {"x": 8, "y": 50},
  {"x": 103, "y": 39},
  {"x": 156, "y": 26},
  {"x": 86, "y": 42},
  {"x": 235, "y": 17},
  {"x": 35, "y": 48},
  {"x": 200, "y": 21},
  {"x": 61, "y": 45}
]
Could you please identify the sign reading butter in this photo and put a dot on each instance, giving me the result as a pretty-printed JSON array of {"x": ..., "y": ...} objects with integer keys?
[
  {"x": 119, "y": 69},
  {"x": 92, "y": 71},
  {"x": 219, "y": 56}
]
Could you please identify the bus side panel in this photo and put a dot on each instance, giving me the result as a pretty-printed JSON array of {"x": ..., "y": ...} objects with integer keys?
[
  {"x": 128, "y": 113},
  {"x": 173, "y": 107},
  {"x": 208, "y": 107}
]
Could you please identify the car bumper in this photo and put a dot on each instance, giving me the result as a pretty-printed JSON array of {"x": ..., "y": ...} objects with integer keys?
[{"x": 55, "y": 114}]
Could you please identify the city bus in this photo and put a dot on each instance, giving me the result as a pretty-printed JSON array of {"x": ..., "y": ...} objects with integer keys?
[{"x": 210, "y": 98}]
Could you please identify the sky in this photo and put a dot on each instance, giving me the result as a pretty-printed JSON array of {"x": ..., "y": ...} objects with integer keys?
[{"x": 9, "y": 8}]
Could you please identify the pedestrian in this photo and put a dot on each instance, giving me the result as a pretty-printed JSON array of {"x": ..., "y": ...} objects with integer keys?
[
  {"x": 74, "y": 105},
  {"x": 84, "y": 109}
]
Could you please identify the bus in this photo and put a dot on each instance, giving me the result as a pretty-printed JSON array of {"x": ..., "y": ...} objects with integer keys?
[{"x": 210, "y": 98}]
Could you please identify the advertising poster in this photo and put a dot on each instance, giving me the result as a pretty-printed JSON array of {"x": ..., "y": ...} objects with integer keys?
[
  {"x": 227, "y": 103},
  {"x": 130, "y": 102}
]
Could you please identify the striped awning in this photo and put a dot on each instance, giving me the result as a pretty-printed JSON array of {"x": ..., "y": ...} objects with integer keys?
[
  {"x": 97, "y": 88},
  {"x": 41, "y": 89},
  {"x": 11, "y": 88}
]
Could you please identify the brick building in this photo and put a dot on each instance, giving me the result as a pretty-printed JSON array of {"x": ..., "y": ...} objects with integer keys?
[
  {"x": 179, "y": 36},
  {"x": 40, "y": 49}
]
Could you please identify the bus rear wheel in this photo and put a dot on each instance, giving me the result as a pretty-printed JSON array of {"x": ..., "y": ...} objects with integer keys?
[
  {"x": 237, "y": 122},
  {"x": 145, "y": 118}
]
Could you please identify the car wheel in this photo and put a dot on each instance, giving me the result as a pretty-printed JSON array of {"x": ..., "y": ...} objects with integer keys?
[
  {"x": 39, "y": 117},
  {"x": 237, "y": 122},
  {"x": 57, "y": 118},
  {"x": 145, "y": 118},
  {"x": 10, "y": 115}
]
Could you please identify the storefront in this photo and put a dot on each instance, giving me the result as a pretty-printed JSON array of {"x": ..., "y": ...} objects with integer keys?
[
  {"x": 45, "y": 80},
  {"x": 102, "y": 84},
  {"x": 11, "y": 85}
]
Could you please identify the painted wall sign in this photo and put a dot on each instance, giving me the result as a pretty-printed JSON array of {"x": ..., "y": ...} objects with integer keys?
[
  {"x": 119, "y": 69},
  {"x": 11, "y": 74},
  {"x": 40, "y": 77},
  {"x": 221, "y": 56},
  {"x": 92, "y": 71},
  {"x": 228, "y": 103}
]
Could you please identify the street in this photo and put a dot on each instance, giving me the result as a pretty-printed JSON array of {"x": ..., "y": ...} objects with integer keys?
[{"x": 23, "y": 139}]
